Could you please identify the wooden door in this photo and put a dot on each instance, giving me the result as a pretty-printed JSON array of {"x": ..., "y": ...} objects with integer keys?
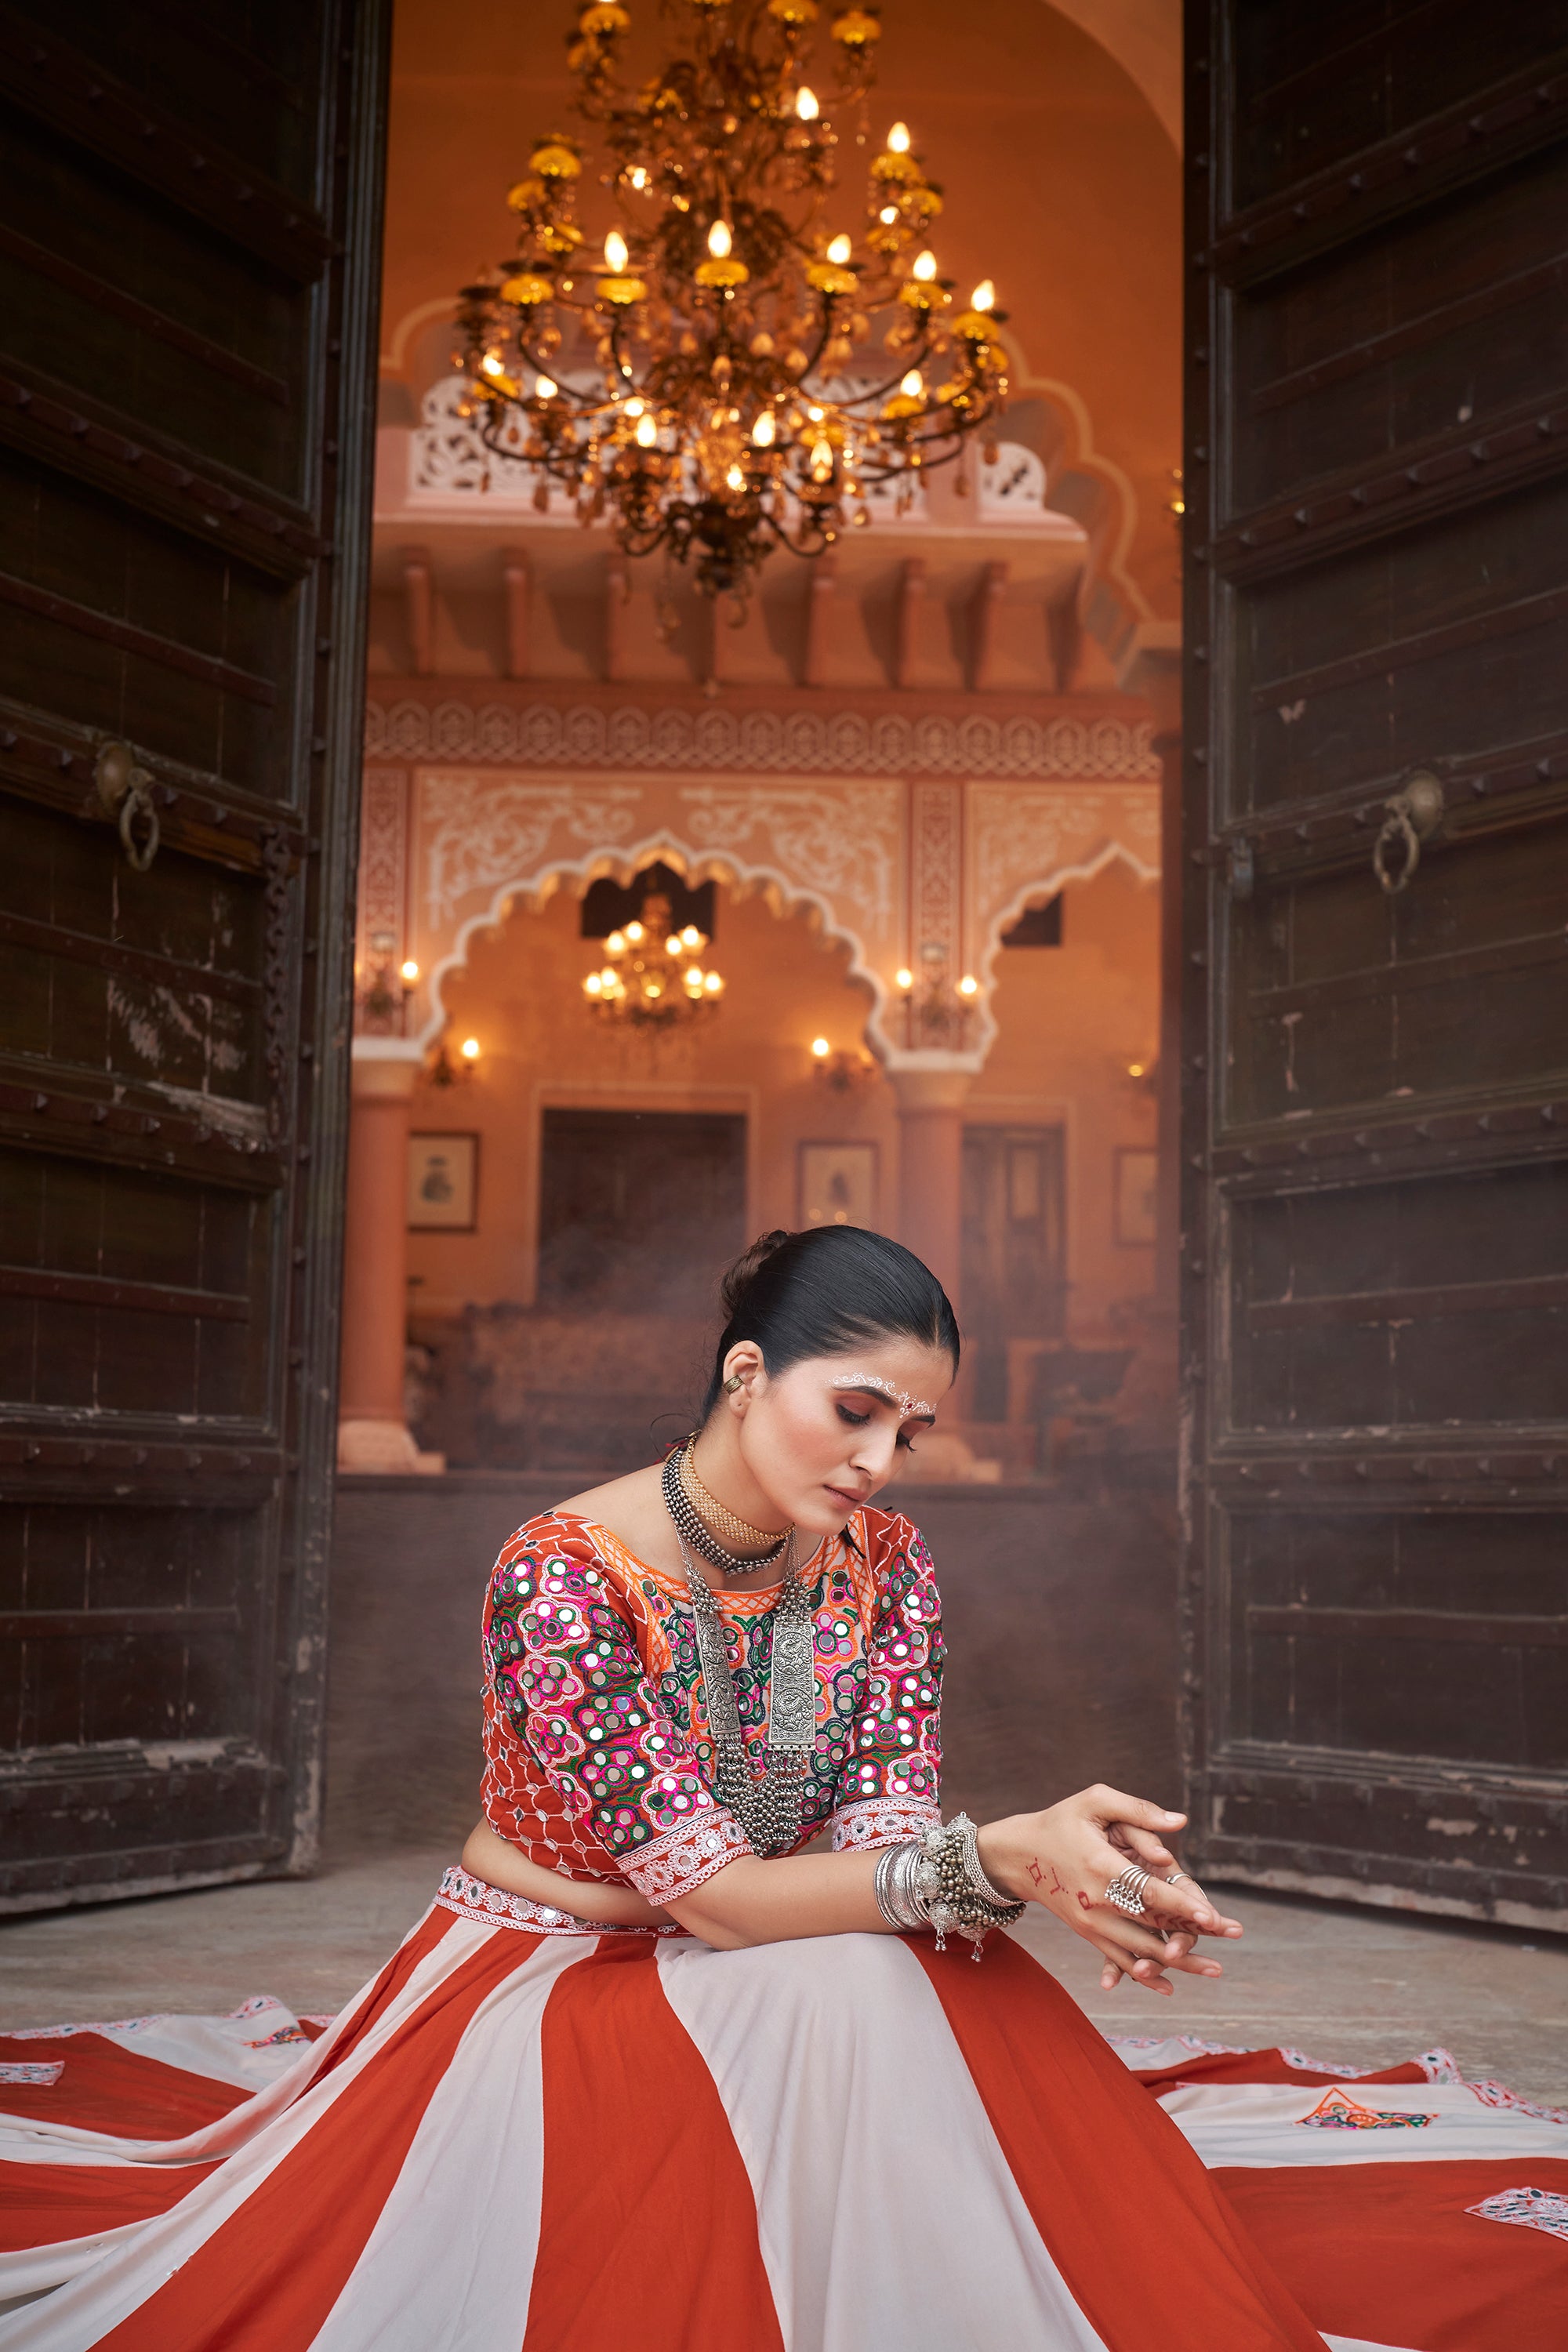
[
  {"x": 189, "y": 250},
  {"x": 1375, "y": 1160},
  {"x": 639, "y": 1211},
  {"x": 1013, "y": 1276}
]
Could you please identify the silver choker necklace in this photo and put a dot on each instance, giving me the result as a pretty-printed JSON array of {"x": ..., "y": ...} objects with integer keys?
[{"x": 694, "y": 1530}]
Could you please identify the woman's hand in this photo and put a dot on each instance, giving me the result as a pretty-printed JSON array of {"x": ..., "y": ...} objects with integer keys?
[{"x": 1065, "y": 1857}]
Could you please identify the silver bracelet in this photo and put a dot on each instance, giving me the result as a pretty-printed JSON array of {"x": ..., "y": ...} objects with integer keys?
[
  {"x": 894, "y": 1886},
  {"x": 936, "y": 1881},
  {"x": 973, "y": 1865}
]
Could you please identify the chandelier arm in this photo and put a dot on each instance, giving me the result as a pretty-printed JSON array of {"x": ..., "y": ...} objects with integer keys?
[
  {"x": 623, "y": 364},
  {"x": 584, "y": 401},
  {"x": 823, "y": 340},
  {"x": 915, "y": 358}
]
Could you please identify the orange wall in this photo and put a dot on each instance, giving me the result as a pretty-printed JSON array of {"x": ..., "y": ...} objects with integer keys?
[{"x": 1070, "y": 1019}]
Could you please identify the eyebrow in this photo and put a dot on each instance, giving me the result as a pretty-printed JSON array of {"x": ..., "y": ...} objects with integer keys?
[{"x": 875, "y": 1390}]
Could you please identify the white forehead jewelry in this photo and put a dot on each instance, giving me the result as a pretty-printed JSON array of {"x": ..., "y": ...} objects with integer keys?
[{"x": 907, "y": 1405}]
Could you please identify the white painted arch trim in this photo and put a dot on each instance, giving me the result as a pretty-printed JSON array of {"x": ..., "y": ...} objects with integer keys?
[
  {"x": 785, "y": 893},
  {"x": 1028, "y": 893}
]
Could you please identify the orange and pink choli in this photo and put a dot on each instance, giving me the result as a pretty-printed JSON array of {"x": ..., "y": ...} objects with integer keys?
[{"x": 597, "y": 1747}]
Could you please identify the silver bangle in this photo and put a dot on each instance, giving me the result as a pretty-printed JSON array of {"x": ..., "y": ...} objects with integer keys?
[
  {"x": 981, "y": 1885},
  {"x": 894, "y": 1886},
  {"x": 937, "y": 1881}
]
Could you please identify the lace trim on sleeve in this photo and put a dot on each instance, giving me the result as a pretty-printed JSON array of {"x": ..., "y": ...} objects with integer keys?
[
  {"x": 882, "y": 1822},
  {"x": 673, "y": 1866}
]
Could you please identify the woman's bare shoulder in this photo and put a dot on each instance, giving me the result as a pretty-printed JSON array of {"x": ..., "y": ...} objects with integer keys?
[{"x": 632, "y": 1508}]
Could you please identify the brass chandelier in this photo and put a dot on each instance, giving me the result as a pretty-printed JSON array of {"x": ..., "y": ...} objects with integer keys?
[
  {"x": 653, "y": 979},
  {"x": 742, "y": 367}
]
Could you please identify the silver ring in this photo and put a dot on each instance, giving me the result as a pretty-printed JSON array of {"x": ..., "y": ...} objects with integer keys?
[
  {"x": 1172, "y": 1875},
  {"x": 1126, "y": 1893}
]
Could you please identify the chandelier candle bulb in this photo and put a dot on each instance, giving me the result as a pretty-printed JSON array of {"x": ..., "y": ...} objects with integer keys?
[
  {"x": 840, "y": 249},
  {"x": 983, "y": 297},
  {"x": 968, "y": 985},
  {"x": 820, "y": 1048},
  {"x": 646, "y": 431},
  {"x": 720, "y": 242},
  {"x": 904, "y": 979},
  {"x": 898, "y": 139},
  {"x": 616, "y": 255},
  {"x": 470, "y": 1049},
  {"x": 913, "y": 386},
  {"x": 805, "y": 105},
  {"x": 544, "y": 388},
  {"x": 924, "y": 267},
  {"x": 409, "y": 971}
]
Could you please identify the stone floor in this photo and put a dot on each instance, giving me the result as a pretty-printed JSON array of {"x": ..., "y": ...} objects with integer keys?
[{"x": 1347, "y": 1985}]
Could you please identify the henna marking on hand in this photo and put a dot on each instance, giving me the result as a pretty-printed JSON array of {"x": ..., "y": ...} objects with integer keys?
[
  {"x": 1084, "y": 1900},
  {"x": 1035, "y": 1874}
]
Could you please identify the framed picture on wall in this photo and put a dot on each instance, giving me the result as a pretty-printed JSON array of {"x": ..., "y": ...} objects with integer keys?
[
  {"x": 443, "y": 1183},
  {"x": 1133, "y": 1197},
  {"x": 838, "y": 1184}
]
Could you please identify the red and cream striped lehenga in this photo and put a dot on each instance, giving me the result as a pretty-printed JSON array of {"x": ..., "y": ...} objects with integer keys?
[{"x": 531, "y": 2134}]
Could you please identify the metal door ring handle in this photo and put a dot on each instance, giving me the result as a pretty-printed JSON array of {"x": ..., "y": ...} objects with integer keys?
[
  {"x": 1396, "y": 827},
  {"x": 1411, "y": 817},
  {"x": 136, "y": 808},
  {"x": 125, "y": 792}
]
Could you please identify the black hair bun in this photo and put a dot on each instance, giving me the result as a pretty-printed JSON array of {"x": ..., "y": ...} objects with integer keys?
[{"x": 748, "y": 1266}]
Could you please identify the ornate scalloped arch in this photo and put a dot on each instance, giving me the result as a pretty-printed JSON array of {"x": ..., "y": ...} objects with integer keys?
[{"x": 782, "y": 892}]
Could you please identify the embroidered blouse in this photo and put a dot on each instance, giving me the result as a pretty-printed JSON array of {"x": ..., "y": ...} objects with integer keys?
[{"x": 599, "y": 1752}]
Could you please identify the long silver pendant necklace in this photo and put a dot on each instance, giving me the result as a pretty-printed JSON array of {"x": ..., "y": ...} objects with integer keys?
[{"x": 768, "y": 1807}]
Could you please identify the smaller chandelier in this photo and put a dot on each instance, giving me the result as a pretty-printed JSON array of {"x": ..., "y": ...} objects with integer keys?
[
  {"x": 759, "y": 353},
  {"x": 653, "y": 978}
]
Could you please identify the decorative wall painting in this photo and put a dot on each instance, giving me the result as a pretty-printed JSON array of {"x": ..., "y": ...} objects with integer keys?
[
  {"x": 443, "y": 1183},
  {"x": 838, "y": 1184}
]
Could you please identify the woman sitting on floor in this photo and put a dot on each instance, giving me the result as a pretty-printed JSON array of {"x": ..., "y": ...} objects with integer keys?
[{"x": 649, "y": 2074}]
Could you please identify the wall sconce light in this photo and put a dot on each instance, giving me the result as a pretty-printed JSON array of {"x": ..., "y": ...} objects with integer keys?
[
  {"x": 445, "y": 1072},
  {"x": 843, "y": 1072},
  {"x": 383, "y": 990},
  {"x": 937, "y": 1010}
]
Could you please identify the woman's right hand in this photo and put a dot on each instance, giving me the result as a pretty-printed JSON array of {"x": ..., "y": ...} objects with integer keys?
[{"x": 1065, "y": 1857}]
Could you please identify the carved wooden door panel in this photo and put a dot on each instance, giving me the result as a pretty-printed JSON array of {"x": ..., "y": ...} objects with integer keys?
[
  {"x": 1376, "y": 1026},
  {"x": 188, "y": 266}
]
